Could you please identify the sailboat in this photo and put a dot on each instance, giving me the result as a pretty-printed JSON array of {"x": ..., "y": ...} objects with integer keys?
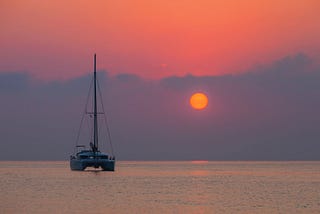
[{"x": 92, "y": 157}]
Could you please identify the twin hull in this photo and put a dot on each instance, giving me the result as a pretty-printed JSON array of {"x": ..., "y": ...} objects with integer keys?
[{"x": 82, "y": 164}]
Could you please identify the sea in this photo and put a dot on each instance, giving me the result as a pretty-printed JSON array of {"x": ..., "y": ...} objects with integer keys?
[{"x": 161, "y": 187}]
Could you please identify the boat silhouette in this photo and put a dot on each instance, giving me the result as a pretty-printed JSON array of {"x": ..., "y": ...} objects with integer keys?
[{"x": 93, "y": 157}]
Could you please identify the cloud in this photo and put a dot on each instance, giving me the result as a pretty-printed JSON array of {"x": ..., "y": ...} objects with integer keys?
[
  {"x": 267, "y": 113},
  {"x": 13, "y": 82}
]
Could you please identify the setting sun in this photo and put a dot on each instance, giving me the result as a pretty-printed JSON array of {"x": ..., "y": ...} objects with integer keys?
[{"x": 199, "y": 101}]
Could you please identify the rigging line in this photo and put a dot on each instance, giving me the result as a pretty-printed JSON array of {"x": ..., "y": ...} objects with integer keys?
[
  {"x": 84, "y": 113},
  {"x": 105, "y": 119},
  {"x": 89, "y": 119},
  {"x": 78, "y": 135},
  {"x": 90, "y": 128},
  {"x": 101, "y": 134}
]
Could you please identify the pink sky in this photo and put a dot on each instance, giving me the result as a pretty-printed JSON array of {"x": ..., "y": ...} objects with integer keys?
[{"x": 154, "y": 39}]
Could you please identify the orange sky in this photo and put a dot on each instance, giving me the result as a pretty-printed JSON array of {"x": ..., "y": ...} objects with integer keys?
[{"x": 56, "y": 39}]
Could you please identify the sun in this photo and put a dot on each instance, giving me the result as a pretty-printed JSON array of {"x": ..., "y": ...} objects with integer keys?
[{"x": 199, "y": 101}]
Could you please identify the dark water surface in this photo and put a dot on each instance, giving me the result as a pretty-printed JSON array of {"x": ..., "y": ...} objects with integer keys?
[{"x": 161, "y": 187}]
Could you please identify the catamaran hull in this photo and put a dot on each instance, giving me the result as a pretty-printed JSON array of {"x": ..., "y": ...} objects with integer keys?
[{"x": 80, "y": 165}]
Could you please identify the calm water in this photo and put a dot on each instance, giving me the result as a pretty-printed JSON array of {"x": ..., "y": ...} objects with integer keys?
[{"x": 162, "y": 187}]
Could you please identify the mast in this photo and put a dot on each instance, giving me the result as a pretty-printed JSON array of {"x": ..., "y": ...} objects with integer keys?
[{"x": 95, "y": 119}]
